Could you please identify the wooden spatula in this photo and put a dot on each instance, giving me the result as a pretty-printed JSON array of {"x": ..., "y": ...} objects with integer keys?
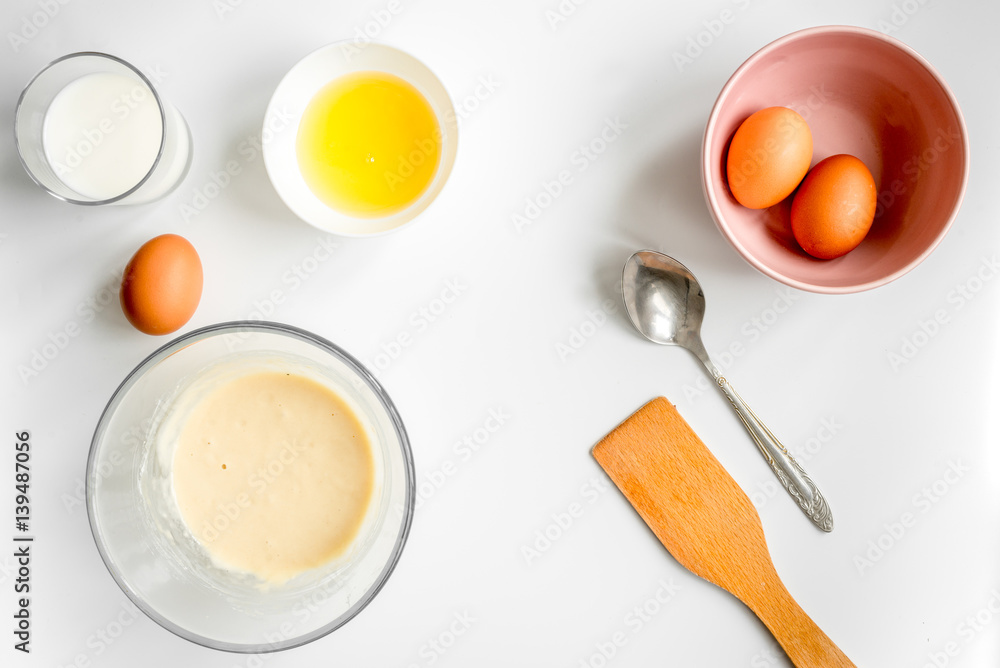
[{"x": 705, "y": 520}]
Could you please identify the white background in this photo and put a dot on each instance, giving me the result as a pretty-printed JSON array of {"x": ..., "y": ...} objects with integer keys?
[{"x": 896, "y": 430}]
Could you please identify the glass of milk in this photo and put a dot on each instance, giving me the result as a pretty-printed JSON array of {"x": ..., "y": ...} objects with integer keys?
[{"x": 91, "y": 129}]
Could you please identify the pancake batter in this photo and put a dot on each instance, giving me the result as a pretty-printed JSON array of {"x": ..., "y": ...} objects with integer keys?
[{"x": 273, "y": 474}]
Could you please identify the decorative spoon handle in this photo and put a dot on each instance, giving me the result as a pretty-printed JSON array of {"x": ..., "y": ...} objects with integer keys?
[{"x": 792, "y": 477}]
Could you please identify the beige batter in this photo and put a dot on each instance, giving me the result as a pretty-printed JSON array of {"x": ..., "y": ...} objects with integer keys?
[{"x": 273, "y": 474}]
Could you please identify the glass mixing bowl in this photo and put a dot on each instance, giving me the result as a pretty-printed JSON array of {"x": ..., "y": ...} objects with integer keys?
[{"x": 155, "y": 559}]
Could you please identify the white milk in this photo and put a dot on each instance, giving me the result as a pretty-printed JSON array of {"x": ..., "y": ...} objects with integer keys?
[{"x": 102, "y": 133}]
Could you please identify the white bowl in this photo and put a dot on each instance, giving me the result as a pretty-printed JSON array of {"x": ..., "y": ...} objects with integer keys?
[{"x": 292, "y": 96}]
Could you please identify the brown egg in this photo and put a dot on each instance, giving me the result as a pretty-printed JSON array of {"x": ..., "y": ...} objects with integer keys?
[
  {"x": 834, "y": 207},
  {"x": 769, "y": 155},
  {"x": 161, "y": 286}
]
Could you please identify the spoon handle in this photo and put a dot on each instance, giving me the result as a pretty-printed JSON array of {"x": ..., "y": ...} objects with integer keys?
[{"x": 788, "y": 471}]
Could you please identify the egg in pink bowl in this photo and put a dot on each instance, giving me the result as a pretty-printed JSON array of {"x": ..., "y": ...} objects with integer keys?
[{"x": 864, "y": 94}]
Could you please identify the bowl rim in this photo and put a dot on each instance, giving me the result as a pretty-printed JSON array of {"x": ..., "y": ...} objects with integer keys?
[
  {"x": 711, "y": 129},
  {"x": 409, "y": 480}
]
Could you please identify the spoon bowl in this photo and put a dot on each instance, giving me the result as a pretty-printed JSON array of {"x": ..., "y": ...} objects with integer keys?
[
  {"x": 666, "y": 304},
  {"x": 665, "y": 297}
]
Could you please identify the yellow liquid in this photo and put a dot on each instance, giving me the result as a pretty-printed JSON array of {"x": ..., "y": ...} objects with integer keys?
[{"x": 369, "y": 144}]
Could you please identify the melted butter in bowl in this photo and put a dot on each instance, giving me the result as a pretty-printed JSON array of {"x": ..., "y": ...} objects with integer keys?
[{"x": 273, "y": 474}]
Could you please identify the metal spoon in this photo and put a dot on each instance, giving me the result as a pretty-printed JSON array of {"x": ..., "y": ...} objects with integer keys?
[{"x": 666, "y": 305}]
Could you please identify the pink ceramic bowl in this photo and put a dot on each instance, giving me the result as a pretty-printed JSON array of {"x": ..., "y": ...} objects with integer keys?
[{"x": 865, "y": 94}]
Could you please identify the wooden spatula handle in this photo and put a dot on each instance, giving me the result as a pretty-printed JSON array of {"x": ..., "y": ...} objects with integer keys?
[{"x": 803, "y": 641}]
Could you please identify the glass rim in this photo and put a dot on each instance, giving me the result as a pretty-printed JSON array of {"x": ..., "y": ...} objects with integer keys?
[
  {"x": 409, "y": 480},
  {"x": 159, "y": 106}
]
